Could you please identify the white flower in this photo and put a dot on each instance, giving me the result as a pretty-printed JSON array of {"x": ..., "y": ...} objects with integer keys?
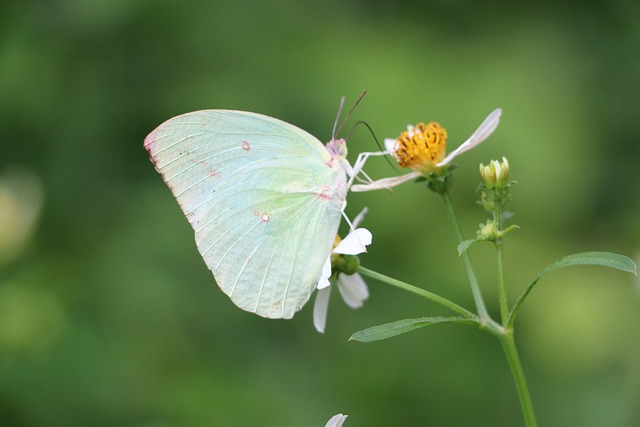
[
  {"x": 336, "y": 421},
  {"x": 422, "y": 148},
  {"x": 352, "y": 287}
]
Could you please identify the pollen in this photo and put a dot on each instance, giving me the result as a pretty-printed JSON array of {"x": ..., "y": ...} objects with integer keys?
[
  {"x": 422, "y": 147},
  {"x": 336, "y": 242}
]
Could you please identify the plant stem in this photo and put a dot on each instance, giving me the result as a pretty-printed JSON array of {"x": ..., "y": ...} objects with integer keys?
[
  {"x": 473, "y": 282},
  {"x": 502, "y": 291},
  {"x": 510, "y": 351},
  {"x": 419, "y": 291}
]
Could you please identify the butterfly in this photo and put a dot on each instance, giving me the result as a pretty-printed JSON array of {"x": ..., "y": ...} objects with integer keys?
[{"x": 264, "y": 198}]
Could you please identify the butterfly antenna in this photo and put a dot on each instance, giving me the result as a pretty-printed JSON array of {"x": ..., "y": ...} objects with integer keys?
[
  {"x": 336, "y": 132},
  {"x": 365, "y": 124},
  {"x": 335, "y": 123}
]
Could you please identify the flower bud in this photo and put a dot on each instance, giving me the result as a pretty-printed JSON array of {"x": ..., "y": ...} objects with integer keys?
[
  {"x": 496, "y": 174},
  {"x": 488, "y": 204},
  {"x": 488, "y": 231},
  {"x": 495, "y": 184},
  {"x": 487, "y": 174},
  {"x": 502, "y": 173}
]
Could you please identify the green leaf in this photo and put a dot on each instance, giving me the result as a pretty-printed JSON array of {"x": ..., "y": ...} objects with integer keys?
[
  {"x": 388, "y": 330},
  {"x": 604, "y": 259},
  {"x": 462, "y": 247}
]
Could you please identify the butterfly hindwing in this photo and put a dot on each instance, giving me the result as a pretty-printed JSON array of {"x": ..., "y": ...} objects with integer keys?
[{"x": 264, "y": 198}]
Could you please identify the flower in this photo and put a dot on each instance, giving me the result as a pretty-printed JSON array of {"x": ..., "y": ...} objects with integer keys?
[
  {"x": 496, "y": 174},
  {"x": 340, "y": 267},
  {"x": 495, "y": 185},
  {"x": 336, "y": 421},
  {"x": 422, "y": 148}
]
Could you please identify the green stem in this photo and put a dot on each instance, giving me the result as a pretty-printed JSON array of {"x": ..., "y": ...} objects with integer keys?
[
  {"x": 473, "y": 282},
  {"x": 502, "y": 293},
  {"x": 510, "y": 351},
  {"x": 502, "y": 290},
  {"x": 418, "y": 291}
]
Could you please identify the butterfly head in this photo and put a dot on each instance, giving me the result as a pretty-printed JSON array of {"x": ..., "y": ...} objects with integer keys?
[{"x": 337, "y": 148}]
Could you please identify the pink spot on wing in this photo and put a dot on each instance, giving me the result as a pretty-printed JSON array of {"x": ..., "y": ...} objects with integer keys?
[
  {"x": 213, "y": 173},
  {"x": 210, "y": 171},
  {"x": 325, "y": 193},
  {"x": 256, "y": 213},
  {"x": 245, "y": 145},
  {"x": 266, "y": 217}
]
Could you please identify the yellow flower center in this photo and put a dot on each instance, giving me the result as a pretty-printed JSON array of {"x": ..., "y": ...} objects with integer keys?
[
  {"x": 336, "y": 242},
  {"x": 422, "y": 147}
]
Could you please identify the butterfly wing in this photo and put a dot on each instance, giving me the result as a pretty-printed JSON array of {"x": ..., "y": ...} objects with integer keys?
[{"x": 264, "y": 198}]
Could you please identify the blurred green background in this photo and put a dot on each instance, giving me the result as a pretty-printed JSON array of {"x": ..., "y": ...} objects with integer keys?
[{"x": 108, "y": 315}]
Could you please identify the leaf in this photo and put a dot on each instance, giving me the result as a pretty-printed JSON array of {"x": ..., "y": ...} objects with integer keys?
[
  {"x": 604, "y": 259},
  {"x": 388, "y": 330},
  {"x": 462, "y": 247},
  {"x": 507, "y": 215}
]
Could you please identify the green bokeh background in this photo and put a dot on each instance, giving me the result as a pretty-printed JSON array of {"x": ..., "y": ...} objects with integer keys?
[{"x": 108, "y": 315}]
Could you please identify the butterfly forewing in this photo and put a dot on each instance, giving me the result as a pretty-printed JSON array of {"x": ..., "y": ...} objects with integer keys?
[{"x": 263, "y": 197}]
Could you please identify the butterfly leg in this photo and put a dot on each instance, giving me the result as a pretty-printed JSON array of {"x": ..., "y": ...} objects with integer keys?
[{"x": 357, "y": 169}]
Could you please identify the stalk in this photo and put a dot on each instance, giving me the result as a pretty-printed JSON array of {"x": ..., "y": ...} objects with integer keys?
[
  {"x": 510, "y": 351},
  {"x": 473, "y": 281},
  {"x": 418, "y": 291}
]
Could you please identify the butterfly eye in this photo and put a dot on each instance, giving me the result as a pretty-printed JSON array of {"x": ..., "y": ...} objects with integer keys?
[{"x": 337, "y": 148}]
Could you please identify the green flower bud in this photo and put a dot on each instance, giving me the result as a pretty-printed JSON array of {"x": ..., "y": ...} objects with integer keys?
[
  {"x": 487, "y": 174},
  {"x": 347, "y": 264},
  {"x": 495, "y": 184},
  {"x": 488, "y": 203},
  {"x": 496, "y": 174},
  {"x": 502, "y": 173},
  {"x": 488, "y": 231}
]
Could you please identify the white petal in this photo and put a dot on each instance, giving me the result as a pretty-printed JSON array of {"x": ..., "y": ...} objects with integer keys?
[
  {"x": 355, "y": 243},
  {"x": 385, "y": 182},
  {"x": 320, "y": 308},
  {"x": 497, "y": 167},
  {"x": 485, "y": 129},
  {"x": 360, "y": 217},
  {"x": 390, "y": 145},
  {"x": 353, "y": 289},
  {"x": 336, "y": 421},
  {"x": 326, "y": 273}
]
